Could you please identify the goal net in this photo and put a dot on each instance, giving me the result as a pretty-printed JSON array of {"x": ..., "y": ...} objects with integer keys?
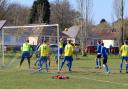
[{"x": 12, "y": 37}]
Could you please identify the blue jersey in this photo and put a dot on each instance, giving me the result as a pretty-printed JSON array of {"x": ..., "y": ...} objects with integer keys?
[
  {"x": 36, "y": 50},
  {"x": 98, "y": 48},
  {"x": 104, "y": 52},
  {"x": 37, "y": 47}
]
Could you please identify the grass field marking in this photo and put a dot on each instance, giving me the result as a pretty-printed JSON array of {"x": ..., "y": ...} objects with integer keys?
[
  {"x": 123, "y": 84},
  {"x": 12, "y": 61}
]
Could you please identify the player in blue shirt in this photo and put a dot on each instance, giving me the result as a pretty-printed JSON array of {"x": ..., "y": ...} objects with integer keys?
[
  {"x": 104, "y": 53},
  {"x": 98, "y": 59},
  {"x": 37, "y": 54}
]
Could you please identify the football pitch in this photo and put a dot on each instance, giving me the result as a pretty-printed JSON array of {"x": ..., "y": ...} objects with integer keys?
[{"x": 83, "y": 76}]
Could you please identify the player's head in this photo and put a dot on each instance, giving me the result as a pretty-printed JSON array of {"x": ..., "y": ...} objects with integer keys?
[
  {"x": 45, "y": 41},
  {"x": 102, "y": 44},
  {"x": 98, "y": 42},
  {"x": 70, "y": 41}
]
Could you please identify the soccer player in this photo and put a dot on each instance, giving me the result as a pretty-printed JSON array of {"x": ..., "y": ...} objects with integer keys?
[
  {"x": 68, "y": 52},
  {"x": 37, "y": 54},
  {"x": 61, "y": 47},
  {"x": 76, "y": 50},
  {"x": 26, "y": 52},
  {"x": 98, "y": 59},
  {"x": 124, "y": 55},
  {"x": 44, "y": 53},
  {"x": 104, "y": 53}
]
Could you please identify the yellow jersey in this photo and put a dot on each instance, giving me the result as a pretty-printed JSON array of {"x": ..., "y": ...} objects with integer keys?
[
  {"x": 68, "y": 51},
  {"x": 124, "y": 50},
  {"x": 25, "y": 47},
  {"x": 44, "y": 50},
  {"x": 60, "y": 44}
]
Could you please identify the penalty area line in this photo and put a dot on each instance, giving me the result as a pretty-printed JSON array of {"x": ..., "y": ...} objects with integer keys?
[{"x": 92, "y": 79}]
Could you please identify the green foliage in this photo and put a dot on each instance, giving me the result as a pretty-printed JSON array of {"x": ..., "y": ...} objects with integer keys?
[{"x": 40, "y": 12}]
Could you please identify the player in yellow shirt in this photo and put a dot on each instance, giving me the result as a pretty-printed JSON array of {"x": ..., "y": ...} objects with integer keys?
[
  {"x": 44, "y": 53},
  {"x": 68, "y": 52},
  {"x": 61, "y": 47},
  {"x": 124, "y": 55},
  {"x": 26, "y": 52}
]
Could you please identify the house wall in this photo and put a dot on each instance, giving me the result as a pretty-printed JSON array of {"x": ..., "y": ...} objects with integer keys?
[
  {"x": 107, "y": 43},
  {"x": 92, "y": 41},
  {"x": 33, "y": 40}
]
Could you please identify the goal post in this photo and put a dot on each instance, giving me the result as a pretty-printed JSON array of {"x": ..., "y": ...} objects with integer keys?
[{"x": 15, "y": 36}]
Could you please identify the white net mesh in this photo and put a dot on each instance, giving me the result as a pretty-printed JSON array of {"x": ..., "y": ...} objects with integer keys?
[{"x": 11, "y": 39}]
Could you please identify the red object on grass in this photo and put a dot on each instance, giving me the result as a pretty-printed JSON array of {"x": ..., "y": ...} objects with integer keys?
[{"x": 60, "y": 77}]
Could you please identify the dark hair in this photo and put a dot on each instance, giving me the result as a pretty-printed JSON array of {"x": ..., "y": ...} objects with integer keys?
[
  {"x": 99, "y": 42},
  {"x": 45, "y": 41},
  {"x": 70, "y": 41},
  {"x": 27, "y": 40},
  {"x": 102, "y": 44}
]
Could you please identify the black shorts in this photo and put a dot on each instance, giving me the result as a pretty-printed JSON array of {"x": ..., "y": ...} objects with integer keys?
[
  {"x": 98, "y": 55},
  {"x": 105, "y": 60}
]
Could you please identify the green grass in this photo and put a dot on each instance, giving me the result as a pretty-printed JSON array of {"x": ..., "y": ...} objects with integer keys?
[{"x": 84, "y": 76}]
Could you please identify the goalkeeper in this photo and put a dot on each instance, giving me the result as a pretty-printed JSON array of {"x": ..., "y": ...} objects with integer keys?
[{"x": 26, "y": 52}]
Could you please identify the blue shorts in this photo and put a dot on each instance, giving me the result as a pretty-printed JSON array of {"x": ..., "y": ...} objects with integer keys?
[
  {"x": 68, "y": 58},
  {"x": 125, "y": 58},
  {"x": 61, "y": 50},
  {"x": 43, "y": 59},
  {"x": 25, "y": 54}
]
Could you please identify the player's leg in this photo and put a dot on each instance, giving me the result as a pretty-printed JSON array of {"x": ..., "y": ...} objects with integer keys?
[
  {"x": 40, "y": 63},
  {"x": 105, "y": 66},
  {"x": 36, "y": 61},
  {"x": 45, "y": 59},
  {"x": 127, "y": 65},
  {"x": 69, "y": 63},
  {"x": 121, "y": 64},
  {"x": 62, "y": 64},
  {"x": 28, "y": 56},
  {"x": 29, "y": 63},
  {"x": 22, "y": 58},
  {"x": 61, "y": 52},
  {"x": 97, "y": 61}
]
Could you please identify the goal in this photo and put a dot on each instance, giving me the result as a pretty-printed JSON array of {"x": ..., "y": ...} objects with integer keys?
[{"x": 12, "y": 37}]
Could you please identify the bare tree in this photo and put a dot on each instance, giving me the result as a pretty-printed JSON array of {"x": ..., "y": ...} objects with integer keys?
[
  {"x": 118, "y": 9},
  {"x": 3, "y": 6},
  {"x": 17, "y": 14},
  {"x": 85, "y": 8},
  {"x": 62, "y": 13}
]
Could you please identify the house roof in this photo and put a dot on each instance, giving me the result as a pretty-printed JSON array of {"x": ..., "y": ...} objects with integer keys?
[
  {"x": 107, "y": 33},
  {"x": 72, "y": 31},
  {"x": 2, "y": 22},
  {"x": 94, "y": 33}
]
